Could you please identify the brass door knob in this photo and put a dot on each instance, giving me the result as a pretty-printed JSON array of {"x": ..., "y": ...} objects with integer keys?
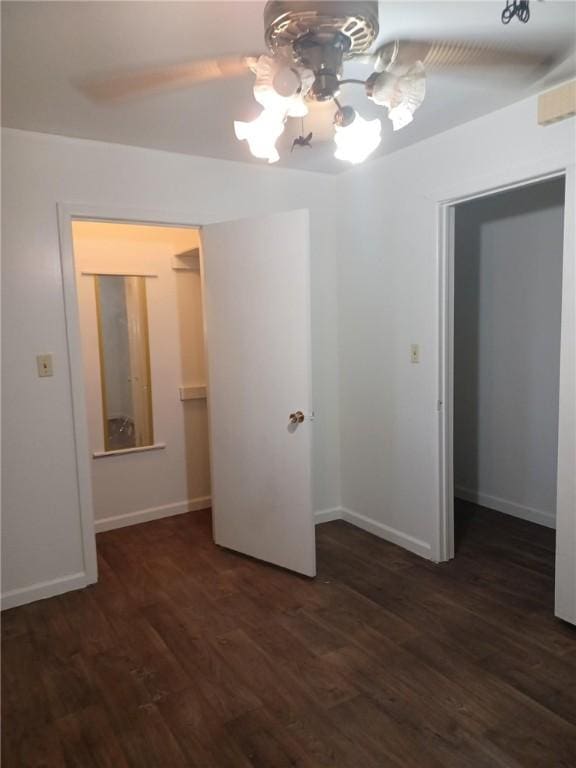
[{"x": 296, "y": 418}]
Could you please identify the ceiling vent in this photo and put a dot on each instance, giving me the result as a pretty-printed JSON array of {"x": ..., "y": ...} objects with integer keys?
[{"x": 557, "y": 104}]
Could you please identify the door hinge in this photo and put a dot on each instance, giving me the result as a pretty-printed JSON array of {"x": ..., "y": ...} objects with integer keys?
[{"x": 439, "y": 405}]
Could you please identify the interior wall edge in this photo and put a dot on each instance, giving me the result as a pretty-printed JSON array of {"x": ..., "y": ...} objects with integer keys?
[
  {"x": 393, "y": 535},
  {"x": 327, "y": 515},
  {"x": 507, "y": 507},
  {"x": 376, "y": 528}
]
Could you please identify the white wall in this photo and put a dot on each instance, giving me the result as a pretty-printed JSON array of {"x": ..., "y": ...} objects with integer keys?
[
  {"x": 146, "y": 485},
  {"x": 507, "y": 302},
  {"x": 389, "y": 276},
  {"x": 41, "y": 527}
]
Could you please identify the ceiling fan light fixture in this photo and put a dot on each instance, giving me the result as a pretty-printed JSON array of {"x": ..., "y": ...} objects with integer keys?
[
  {"x": 309, "y": 44},
  {"x": 262, "y": 134},
  {"x": 355, "y": 137}
]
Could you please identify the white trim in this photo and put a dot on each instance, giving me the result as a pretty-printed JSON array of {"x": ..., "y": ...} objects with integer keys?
[
  {"x": 376, "y": 528},
  {"x": 327, "y": 515},
  {"x": 540, "y": 516},
  {"x": 539, "y": 169},
  {"x": 122, "y": 451},
  {"x": 388, "y": 533},
  {"x": 153, "y": 513},
  {"x": 565, "y": 597},
  {"x": 444, "y": 544},
  {"x": 79, "y": 416},
  {"x": 148, "y": 216},
  {"x": 44, "y": 589}
]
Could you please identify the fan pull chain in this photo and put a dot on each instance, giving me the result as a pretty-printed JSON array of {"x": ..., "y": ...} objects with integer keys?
[
  {"x": 518, "y": 8},
  {"x": 302, "y": 141}
]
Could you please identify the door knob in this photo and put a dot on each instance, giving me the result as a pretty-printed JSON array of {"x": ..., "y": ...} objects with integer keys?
[{"x": 296, "y": 418}]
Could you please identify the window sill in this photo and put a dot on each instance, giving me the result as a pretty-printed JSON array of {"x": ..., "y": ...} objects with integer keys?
[{"x": 122, "y": 451}]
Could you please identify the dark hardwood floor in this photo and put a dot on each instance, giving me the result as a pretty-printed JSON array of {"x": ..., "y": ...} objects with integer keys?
[{"x": 188, "y": 655}]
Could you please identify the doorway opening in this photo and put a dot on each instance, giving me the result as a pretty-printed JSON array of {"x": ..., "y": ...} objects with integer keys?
[
  {"x": 507, "y": 299},
  {"x": 143, "y": 359}
]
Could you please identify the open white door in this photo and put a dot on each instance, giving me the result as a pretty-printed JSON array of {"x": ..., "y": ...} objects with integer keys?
[{"x": 257, "y": 315}]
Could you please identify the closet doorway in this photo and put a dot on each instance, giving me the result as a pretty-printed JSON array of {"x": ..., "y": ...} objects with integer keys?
[
  {"x": 506, "y": 283},
  {"x": 141, "y": 322}
]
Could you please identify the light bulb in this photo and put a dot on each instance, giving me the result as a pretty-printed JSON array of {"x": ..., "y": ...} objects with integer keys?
[
  {"x": 262, "y": 134},
  {"x": 355, "y": 137}
]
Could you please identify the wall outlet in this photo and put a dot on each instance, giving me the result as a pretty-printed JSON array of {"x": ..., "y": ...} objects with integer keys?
[
  {"x": 414, "y": 353},
  {"x": 44, "y": 363}
]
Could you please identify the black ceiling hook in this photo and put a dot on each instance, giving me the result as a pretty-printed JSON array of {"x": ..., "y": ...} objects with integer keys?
[{"x": 518, "y": 8}]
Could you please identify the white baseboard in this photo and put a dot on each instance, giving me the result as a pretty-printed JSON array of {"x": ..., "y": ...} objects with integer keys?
[
  {"x": 63, "y": 584},
  {"x": 388, "y": 533},
  {"x": 80, "y": 580},
  {"x": 153, "y": 513},
  {"x": 376, "y": 528},
  {"x": 327, "y": 515},
  {"x": 44, "y": 589},
  {"x": 507, "y": 507}
]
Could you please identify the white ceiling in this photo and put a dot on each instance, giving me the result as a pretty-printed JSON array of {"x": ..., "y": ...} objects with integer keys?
[{"x": 47, "y": 46}]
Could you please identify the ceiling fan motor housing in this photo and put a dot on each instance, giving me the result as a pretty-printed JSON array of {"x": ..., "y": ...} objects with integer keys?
[{"x": 321, "y": 35}]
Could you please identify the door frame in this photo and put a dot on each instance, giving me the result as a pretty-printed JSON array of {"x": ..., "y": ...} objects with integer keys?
[
  {"x": 446, "y": 201},
  {"x": 68, "y": 213}
]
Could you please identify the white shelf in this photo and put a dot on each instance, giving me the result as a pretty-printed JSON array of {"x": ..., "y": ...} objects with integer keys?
[
  {"x": 192, "y": 393},
  {"x": 188, "y": 261}
]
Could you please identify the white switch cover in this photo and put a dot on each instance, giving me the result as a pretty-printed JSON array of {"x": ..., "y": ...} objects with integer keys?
[
  {"x": 44, "y": 363},
  {"x": 414, "y": 353}
]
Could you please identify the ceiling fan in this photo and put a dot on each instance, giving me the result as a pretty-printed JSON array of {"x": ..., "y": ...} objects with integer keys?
[{"x": 308, "y": 44}]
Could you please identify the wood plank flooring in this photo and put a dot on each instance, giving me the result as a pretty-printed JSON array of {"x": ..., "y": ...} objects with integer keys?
[{"x": 188, "y": 655}]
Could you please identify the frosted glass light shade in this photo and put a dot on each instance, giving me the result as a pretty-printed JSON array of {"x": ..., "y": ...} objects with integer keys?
[
  {"x": 357, "y": 140},
  {"x": 402, "y": 94},
  {"x": 281, "y": 87},
  {"x": 262, "y": 134},
  {"x": 400, "y": 116}
]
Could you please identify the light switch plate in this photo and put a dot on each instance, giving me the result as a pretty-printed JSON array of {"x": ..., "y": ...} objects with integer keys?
[
  {"x": 44, "y": 363},
  {"x": 414, "y": 353}
]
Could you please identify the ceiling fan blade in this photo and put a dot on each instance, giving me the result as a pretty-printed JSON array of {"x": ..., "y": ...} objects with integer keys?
[
  {"x": 456, "y": 54},
  {"x": 123, "y": 86},
  {"x": 443, "y": 55}
]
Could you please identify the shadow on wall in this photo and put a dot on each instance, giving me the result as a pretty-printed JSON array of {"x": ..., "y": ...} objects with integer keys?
[{"x": 507, "y": 302}]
